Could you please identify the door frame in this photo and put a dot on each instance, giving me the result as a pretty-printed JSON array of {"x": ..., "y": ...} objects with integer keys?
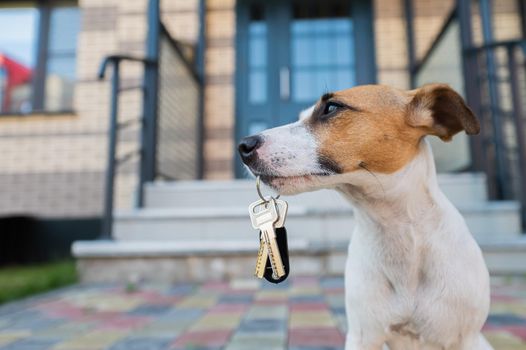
[{"x": 363, "y": 18}]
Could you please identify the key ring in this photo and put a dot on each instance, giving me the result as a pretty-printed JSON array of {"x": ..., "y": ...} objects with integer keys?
[{"x": 258, "y": 183}]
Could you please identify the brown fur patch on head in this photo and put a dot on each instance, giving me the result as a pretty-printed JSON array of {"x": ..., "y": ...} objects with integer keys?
[
  {"x": 440, "y": 111},
  {"x": 379, "y": 128},
  {"x": 370, "y": 132}
]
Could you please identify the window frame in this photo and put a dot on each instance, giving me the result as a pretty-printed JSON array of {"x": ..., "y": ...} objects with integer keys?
[{"x": 38, "y": 83}]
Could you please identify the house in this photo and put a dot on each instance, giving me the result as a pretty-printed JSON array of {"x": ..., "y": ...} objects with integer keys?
[{"x": 194, "y": 76}]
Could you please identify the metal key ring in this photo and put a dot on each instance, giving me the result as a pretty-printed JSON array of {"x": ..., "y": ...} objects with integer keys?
[{"x": 258, "y": 183}]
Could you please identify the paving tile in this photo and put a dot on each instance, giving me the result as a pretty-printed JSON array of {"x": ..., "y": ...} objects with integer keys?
[
  {"x": 305, "y": 281},
  {"x": 229, "y": 308},
  {"x": 245, "y": 284},
  {"x": 274, "y": 294},
  {"x": 4, "y": 323},
  {"x": 259, "y": 340},
  {"x": 150, "y": 310},
  {"x": 262, "y": 325},
  {"x": 30, "y": 344},
  {"x": 237, "y": 299},
  {"x": 285, "y": 285},
  {"x": 504, "y": 341},
  {"x": 202, "y": 302},
  {"x": 505, "y": 320},
  {"x": 332, "y": 283},
  {"x": 311, "y": 319},
  {"x": 194, "y": 340},
  {"x": 308, "y": 306},
  {"x": 96, "y": 340},
  {"x": 267, "y": 312},
  {"x": 318, "y": 337},
  {"x": 316, "y": 348},
  {"x": 160, "y": 329},
  {"x": 143, "y": 343},
  {"x": 314, "y": 298},
  {"x": 184, "y": 313},
  {"x": 7, "y": 337},
  {"x": 217, "y": 322}
]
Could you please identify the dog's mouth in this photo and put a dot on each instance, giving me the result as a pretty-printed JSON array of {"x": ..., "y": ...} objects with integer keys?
[{"x": 278, "y": 182}]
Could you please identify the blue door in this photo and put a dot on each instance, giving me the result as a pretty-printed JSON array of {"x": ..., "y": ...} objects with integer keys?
[{"x": 291, "y": 52}]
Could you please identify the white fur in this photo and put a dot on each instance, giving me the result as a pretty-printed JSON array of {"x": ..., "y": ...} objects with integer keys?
[
  {"x": 289, "y": 150},
  {"x": 415, "y": 277}
]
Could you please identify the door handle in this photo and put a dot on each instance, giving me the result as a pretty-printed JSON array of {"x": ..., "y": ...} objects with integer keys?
[{"x": 284, "y": 83}]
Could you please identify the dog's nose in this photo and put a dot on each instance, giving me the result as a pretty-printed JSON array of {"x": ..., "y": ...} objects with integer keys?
[{"x": 248, "y": 146}]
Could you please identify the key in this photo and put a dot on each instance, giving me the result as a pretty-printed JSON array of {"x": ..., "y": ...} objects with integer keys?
[
  {"x": 261, "y": 262},
  {"x": 264, "y": 219},
  {"x": 282, "y": 208},
  {"x": 281, "y": 237},
  {"x": 281, "y": 234},
  {"x": 262, "y": 258}
]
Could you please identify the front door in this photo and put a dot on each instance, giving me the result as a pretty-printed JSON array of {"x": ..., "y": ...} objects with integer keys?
[{"x": 291, "y": 52}]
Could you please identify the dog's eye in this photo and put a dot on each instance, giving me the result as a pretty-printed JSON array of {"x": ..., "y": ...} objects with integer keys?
[{"x": 331, "y": 107}]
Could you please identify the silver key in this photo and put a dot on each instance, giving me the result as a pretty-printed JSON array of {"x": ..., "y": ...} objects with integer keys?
[
  {"x": 282, "y": 207},
  {"x": 264, "y": 220}
]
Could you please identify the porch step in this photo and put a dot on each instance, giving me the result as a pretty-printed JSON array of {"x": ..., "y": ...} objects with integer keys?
[
  {"x": 321, "y": 224},
  {"x": 117, "y": 261},
  {"x": 464, "y": 188}
]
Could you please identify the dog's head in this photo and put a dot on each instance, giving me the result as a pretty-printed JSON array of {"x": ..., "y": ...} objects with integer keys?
[{"x": 369, "y": 128}]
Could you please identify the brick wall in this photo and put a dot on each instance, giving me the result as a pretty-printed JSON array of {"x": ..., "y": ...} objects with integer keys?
[
  {"x": 219, "y": 91},
  {"x": 53, "y": 166},
  {"x": 390, "y": 40}
]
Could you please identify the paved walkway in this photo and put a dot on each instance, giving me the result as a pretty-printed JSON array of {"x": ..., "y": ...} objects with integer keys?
[{"x": 302, "y": 313}]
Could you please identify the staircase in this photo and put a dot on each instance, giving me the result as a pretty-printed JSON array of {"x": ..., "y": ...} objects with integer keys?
[{"x": 201, "y": 231}]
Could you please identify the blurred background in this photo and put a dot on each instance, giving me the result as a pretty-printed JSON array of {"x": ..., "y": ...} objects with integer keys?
[{"x": 119, "y": 120}]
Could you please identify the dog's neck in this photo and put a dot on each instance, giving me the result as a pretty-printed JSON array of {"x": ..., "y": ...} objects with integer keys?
[
  {"x": 403, "y": 197},
  {"x": 395, "y": 212}
]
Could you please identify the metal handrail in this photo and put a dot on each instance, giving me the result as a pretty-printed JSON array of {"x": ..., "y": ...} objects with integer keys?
[
  {"x": 148, "y": 120},
  {"x": 114, "y": 127}
]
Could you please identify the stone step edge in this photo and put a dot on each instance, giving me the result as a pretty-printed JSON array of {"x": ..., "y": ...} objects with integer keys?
[
  {"x": 119, "y": 249},
  {"x": 235, "y": 212},
  {"x": 249, "y": 183}
]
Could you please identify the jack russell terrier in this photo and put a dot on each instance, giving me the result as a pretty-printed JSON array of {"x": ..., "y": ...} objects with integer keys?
[{"x": 415, "y": 278}]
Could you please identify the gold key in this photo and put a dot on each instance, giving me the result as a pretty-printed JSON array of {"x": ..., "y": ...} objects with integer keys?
[
  {"x": 282, "y": 208},
  {"x": 262, "y": 259},
  {"x": 263, "y": 216}
]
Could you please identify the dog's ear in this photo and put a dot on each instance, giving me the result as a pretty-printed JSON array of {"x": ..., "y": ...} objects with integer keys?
[{"x": 438, "y": 110}]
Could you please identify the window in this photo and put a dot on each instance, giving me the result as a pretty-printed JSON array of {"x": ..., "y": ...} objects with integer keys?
[{"x": 38, "y": 56}]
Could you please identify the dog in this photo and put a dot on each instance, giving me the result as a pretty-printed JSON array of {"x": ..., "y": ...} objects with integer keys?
[{"x": 414, "y": 278}]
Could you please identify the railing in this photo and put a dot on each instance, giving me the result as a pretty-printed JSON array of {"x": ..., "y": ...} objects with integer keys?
[
  {"x": 502, "y": 90},
  {"x": 492, "y": 77},
  {"x": 113, "y": 130},
  {"x": 170, "y": 144}
]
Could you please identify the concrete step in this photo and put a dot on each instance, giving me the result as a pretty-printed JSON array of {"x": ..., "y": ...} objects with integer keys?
[
  {"x": 117, "y": 261},
  {"x": 311, "y": 224},
  {"x": 464, "y": 188}
]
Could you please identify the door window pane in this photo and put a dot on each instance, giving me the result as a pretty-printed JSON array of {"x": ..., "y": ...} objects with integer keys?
[
  {"x": 257, "y": 55},
  {"x": 17, "y": 58},
  {"x": 61, "y": 63},
  {"x": 322, "y": 50}
]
